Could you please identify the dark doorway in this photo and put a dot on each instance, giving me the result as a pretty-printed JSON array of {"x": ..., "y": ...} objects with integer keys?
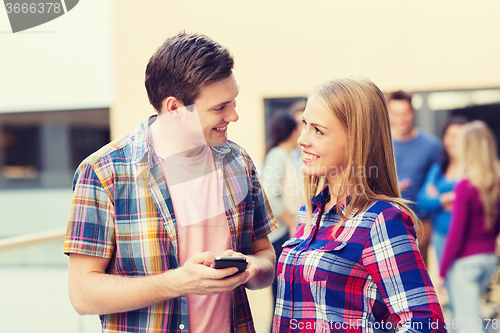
[
  {"x": 490, "y": 114},
  {"x": 272, "y": 105}
]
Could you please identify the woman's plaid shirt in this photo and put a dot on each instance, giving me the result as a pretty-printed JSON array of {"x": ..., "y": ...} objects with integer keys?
[{"x": 371, "y": 278}]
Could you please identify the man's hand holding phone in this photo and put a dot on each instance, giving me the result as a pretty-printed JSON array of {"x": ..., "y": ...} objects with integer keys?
[
  {"x": 231, "y": 261},
  {"x": 198, "y": 276},
  {"x": 249, "y": 269}
]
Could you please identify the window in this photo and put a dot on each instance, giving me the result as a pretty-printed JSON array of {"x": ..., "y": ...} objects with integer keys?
[
  {"x": 43, "y": 149},
  {"x": 272, "y": 105}
]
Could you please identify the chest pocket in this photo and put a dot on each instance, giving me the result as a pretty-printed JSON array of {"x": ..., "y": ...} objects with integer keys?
[
  {"x": 287, "y": 247},
  {"x": 319, "y": 263},
  {"x": 292, "y": 242}
]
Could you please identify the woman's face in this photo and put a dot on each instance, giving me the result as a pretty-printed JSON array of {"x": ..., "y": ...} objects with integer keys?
[
  {"x": 450, "y": 140},
  {"x": 324, "y": 143}
]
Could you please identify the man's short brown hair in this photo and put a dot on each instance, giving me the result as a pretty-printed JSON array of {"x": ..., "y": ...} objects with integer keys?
[
  {"x": 184, "y": 64},
  {"x": 400, "y": 95}
]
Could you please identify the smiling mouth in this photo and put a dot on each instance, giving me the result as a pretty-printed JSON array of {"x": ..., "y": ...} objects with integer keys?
[
  {"x": 220, "y": 128},
  {"x": 310, "y": 157}
]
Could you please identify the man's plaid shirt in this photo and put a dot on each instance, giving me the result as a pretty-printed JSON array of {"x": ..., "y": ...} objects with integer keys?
[
  {"x": 371, "y": 278},
  {"x": 122, "y": 210}
]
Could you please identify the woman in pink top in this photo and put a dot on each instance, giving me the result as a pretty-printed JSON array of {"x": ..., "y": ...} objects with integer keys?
[{"x": 469, "y": 254}]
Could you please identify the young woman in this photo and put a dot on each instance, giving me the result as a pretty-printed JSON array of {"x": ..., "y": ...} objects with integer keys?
[
  {"x": 353, "y": 264},
  {"x": 436, "y": 195},
  {"x": 469, "y": 253}
]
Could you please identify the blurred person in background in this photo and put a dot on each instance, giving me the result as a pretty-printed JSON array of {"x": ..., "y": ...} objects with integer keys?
[
  {"x": 353, "y": 264},
  {"x": 296, "y": 109},
  {"x": 436, "y": 195},
  {"x": 416, "y": 151},
  {"x": 469, "y": 257},
  {"x": 152, "y": 209},
  {"x": 282, "y": 180}
]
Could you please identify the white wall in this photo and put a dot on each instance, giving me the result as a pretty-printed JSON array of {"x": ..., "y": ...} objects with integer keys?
[
  {"x": 34, "y": 280},
  {"x": 63, "y": 64},
  {"x": 36, "y": 300},
  {"x": 24, "y": 212},
  {"x": 285, "y": 48},
  {"x": 35, "y": 210}
]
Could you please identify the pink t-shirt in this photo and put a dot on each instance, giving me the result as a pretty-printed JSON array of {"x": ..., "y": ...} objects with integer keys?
[{"x": 202, "y": 226}]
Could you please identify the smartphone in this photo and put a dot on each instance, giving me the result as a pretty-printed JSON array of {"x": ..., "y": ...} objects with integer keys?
[{"x": 225, "y": 262}]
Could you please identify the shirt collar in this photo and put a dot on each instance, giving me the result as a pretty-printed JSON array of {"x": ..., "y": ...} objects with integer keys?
[
  {"x": 322, "y": 197},
  {"x": 221, "y": 151},
  {"x": 142, "y": 142}
]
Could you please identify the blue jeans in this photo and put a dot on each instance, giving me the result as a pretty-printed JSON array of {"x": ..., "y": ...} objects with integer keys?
[
  {"x": 468, "y": 279},
  {"x": 438, "y": 240}
]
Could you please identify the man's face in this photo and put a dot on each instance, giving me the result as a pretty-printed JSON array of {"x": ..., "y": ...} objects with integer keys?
[
  {"x": 401, "y": 116},
  {"x": 216, "y": 107}
]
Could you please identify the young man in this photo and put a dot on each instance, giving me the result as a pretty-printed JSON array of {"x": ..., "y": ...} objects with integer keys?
[
  {"x": 151, "y": 210},
  {"x": 415, "y": 151}
]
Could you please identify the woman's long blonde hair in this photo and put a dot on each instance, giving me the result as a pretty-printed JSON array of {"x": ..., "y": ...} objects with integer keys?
[
  {"x": 371, "y": 169},
  {"x": 478, "y": 162}
]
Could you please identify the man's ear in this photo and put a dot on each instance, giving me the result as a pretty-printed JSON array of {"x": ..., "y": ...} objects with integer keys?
[{"x": 170, "y": 104}]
